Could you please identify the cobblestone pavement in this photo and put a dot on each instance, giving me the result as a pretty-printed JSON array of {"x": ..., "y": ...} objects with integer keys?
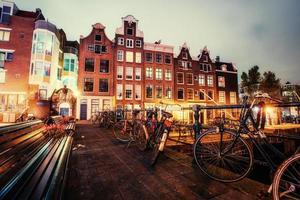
[{"x": 102, "y": 168}]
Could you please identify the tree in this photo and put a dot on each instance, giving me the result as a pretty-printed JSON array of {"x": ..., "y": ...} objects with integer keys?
[
  {"x": 271, "y": 84},
  {"x": 250, "y": 81}
]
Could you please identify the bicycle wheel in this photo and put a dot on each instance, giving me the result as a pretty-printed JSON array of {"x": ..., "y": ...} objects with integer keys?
[
  {"x": 155, "y": 151},
  {"x": 122, "y": 132},
  {"x": 226, "y": 161},
  {"x": 140, "y": 136},
  {"x": 286, "y": 182}
]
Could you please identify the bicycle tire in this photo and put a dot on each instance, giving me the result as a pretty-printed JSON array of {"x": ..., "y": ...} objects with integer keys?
[
  {"x": 120, "y": 133},
  {"x": 233, "y": 166},
  {"x": 287, "y": 177},
  {"x": 140, "y": 136}
]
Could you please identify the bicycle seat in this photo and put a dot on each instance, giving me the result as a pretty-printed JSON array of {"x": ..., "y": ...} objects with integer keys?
[{"x": 166, "y": 114}]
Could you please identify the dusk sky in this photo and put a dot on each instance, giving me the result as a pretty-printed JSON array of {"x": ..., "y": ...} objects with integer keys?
[{"x": 257, "y": 32}]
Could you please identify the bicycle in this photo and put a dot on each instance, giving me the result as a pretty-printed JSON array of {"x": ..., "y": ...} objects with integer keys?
[
  {"x": 226, "y": 155},
  {"x": 130, "y": 131}
]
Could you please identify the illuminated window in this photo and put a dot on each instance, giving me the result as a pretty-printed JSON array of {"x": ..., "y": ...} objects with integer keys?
[
  {"x": 201, "y": 79},
  {"x": 149, "y": 73},
  {"x": 222, "y": 98},
  {"x": 168, "y": 75},
  {"x": 210, "y": 80},
  {"x": 4, "y": 35},
  {"x": 168, "y": 93},
  {"x": 2, "y": 76},
  {"x": 138, "y": 57},
  {"x": 158, "y": 74},
  {"x": 232, "y": 97},
  {"x": 88, "y": 84},
  {"x": 119, "y": 91},
  {"x": 129, "y": 56},
  {"x": 129, "y": 73},
  {"x": 190, "y": 94},
  {"x": 221, "y": 81}
]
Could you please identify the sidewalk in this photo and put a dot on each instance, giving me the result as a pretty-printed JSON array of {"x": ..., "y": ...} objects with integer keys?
[{"x": 102, "y": 168}]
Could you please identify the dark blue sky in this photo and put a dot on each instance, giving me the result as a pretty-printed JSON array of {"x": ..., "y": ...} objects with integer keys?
[{"x": 257, "y": 32}]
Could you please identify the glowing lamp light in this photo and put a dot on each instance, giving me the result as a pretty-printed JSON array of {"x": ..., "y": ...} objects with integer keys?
[
  {"x": 255, "y": 109},
  {"x": 269, "y": 110},
  {"x": 76, "y": 93}
]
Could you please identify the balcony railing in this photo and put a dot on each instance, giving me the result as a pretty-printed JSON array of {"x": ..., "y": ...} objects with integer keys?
[
  {"x": 71, "y": 50},
  {"x": 42, "y": 24}
]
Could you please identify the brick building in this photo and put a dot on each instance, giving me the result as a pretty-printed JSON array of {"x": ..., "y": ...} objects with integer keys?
[
  {"x": 129, "y": 64},
  {"x": 158, "y": 74},
  {"x": 95, "y": 73},
  {"x": 16, "y": 33}
]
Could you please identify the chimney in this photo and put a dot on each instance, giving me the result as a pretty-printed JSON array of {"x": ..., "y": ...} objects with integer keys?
[{"x": 217, "y": 58}]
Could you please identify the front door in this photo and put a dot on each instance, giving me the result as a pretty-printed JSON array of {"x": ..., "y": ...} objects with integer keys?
[{"x": 83, "y": 111}]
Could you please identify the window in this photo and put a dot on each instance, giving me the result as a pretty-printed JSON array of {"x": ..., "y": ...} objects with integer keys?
[
  {"x": 2, "y": 76},
  {"x": 94, "y": 106},
  {"x": 129, "y": 31},
  {"x": 168, "y": 75},
  {"x": 158, "y": 92},
  {"x": 39, "y": 68},
  {"x": 138, "y": 74},
  {"x": 128, "y": 91},
  {"x": 180, "y": 94},
  {"x": 158, "y": 74},
  {"x": 72, "y": 65},
  {"x": 88, "y": 84},
  {"x": 158, "y": 58},
  {"x": 180, "y": 79},
  {"x": 190, "y": 94},
  {"x": 138, "y": 43},
  {"x": 119, "y": 72},
  {"x": 4, "y": 35},
  {"x": 222, "y": 98},
  {"x": 104, "y": 66},
  {"x": 232, "y": 97},
  {"x": 120, "y": 55},
  {"x": 201, "y": 66},
  {"x": 168, "y": 59},
  {"x": 202, "y": 95},
  {"x": 103, "y": 85},
  {"x": 138, "y": 92},
  {"x": 129, "y": 56},
  {"x": 184, "y": 55},
  {"x": 47, "y": 67},
  {"x": 138, "y": 57},
  {"x": 97, "y": 48},
  {"x": 103, "y": 49},
  {"x": 129, "y": 73},
  {"x": 59, "y": 73},
  {"x": 129, "y": 43},
  {"x": 210, "y": 95},
  {"x": 210, "y": 80},
  {"x": 149, "y": 57},
  {"x": 9, "y": 56},
  {"x": 6, "y": 14},
  {"x": 224, "y": 67},
  {"x": 91, "y": 47},
  {"x": 2, "y": 59},
  {"x": 201, "y": 79},
  {"x": 119, "y": 91},
  {"x": 149, "y": 73},
  {"x": 168, "y": 93},
  {"x": 221, "y": 81},
  {"x": 120, "y": 41},
  {"x": 97, "y": 37},
  {"x": 149, "y": 91},
  {"x": 89, "y": 65},
  {"x": 189, "y": 79}
]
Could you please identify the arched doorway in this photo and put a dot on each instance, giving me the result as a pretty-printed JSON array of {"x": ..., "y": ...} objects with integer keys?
[{"x": 63, "y": 102}]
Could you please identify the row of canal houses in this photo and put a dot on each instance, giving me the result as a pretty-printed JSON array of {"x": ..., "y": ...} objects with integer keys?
[{"x": 41, "y": 69}]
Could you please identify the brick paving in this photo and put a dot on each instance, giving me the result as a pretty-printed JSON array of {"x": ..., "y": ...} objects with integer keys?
[{"x": 102, "y": 168}]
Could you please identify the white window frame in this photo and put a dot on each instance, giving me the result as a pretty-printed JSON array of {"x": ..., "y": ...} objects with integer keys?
[
  {"x": 146, "y": 72},
  {"x": 192, "y": 79},
  {"x": 120, "y": 72},
  {"x": 202, "y": 90},
  {"x": 129, "y": 43},
  {"x": 169, "y": 72},
  {"x": 138, "y": 91},
  {"x": 129, "y": 56},
  {"x": 138, "y": 43},
  {"x": 193, "y": 95},
  {"x": 220, "y": 83},
  {"x": 232, "y": 94},
  {"x": 166, "y": 96},
  {"x": 2, "y": 75},
  {"x": 128, "y": 72},
  {"x": 121, "y": 41},
  {"x": 138, "y": 71},
  {"x": 118, "y": 89},
  {"x": 156, "y": 74},
  {"x": 129, "y": 87},
  {"x": 182, "y": 78},
  {"x": 151, "y": 86},
  {"x": 4, "y": 35},
  {"x": 182, "y": 95},
  {"x": 210, "y": 80},
  {"x": 222, "y": 97},
  {"x": 138, "y": 57},
  {"x": 121, "y": 54},
  {"x": 201, "y": 79}
]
